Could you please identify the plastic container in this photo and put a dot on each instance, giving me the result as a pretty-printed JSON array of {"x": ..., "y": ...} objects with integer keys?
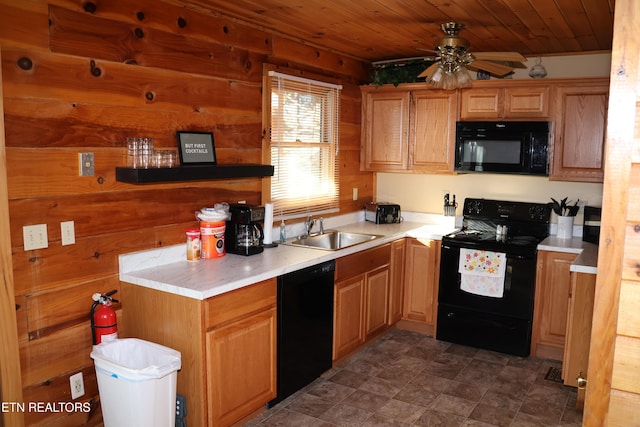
[
  {"x": 136, "y": 382},
  {"x": 213, "y": 222},
  {"x": 193, "y": 244},
  {"x": 212, "y": 239}
]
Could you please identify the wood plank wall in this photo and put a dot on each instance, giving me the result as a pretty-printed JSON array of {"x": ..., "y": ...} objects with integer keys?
[{"x": 81, "y": 76}]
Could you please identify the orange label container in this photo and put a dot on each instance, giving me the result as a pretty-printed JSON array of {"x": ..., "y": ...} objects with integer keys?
[{"x": 212, "y": 239}]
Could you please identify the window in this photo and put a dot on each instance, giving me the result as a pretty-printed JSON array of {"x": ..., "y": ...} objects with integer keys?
[{"x": 303, "y": 145}]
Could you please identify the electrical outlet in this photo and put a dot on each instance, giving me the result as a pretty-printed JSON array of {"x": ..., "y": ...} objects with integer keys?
[
  {"x": 35, "y": 237},
  {"x": 86, "y": 164},
  {"x": 355, "y": 193},
  {"x": 77, "y": 385},
  {"x": 67, "y": 231}
]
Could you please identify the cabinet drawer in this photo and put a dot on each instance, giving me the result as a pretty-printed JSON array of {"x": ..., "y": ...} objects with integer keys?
[
  {"x": 239, "y": 303},
  {"x": 362, "y": 262}
]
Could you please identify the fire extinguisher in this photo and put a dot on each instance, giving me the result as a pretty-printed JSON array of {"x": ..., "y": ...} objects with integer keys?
[{"x": 104, "y": 325}]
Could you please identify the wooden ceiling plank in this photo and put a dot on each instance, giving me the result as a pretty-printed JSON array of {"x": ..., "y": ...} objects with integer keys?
[
  {"x": 554, "y": 18},
  {"x": 536, "y": 27},
  {"x": 511, "y": 27},
  {"x": 600, "y": 15},
  {"x": 578, "y": 21},
  {"x": 384, "y": 29}
]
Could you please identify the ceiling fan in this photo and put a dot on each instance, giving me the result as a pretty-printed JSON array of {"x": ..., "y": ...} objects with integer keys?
[{"x": 453, "y": 59}]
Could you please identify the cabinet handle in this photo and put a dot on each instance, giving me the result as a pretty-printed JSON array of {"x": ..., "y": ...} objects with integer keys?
[
  {"x": 638, "y": 269},
  {"x": 636, "y": 228}
]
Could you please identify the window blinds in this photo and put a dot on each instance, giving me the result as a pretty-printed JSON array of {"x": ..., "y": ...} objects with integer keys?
[{"x": 304, "y": 145}]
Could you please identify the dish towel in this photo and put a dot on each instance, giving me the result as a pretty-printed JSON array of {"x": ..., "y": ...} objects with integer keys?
[{"x": 482, "y": 272}]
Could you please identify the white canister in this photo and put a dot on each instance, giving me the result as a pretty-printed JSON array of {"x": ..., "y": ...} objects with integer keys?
[{"x": 565, "y": 227}]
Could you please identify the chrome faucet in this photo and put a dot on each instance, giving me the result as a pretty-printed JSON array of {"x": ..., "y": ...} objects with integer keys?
[{"x": 308, "y": 225}]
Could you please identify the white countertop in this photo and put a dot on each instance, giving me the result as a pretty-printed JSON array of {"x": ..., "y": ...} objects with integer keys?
[
  {"x": 166, "y": 269},
  {"x": 587, "y": 260}
]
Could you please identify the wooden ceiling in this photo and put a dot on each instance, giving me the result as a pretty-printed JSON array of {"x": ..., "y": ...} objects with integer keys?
[{"x": 375, "y": 30}]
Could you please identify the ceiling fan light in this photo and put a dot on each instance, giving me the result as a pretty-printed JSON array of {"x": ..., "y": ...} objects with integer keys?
[
  {"x": 437, "y": 77},
  {"x": 463, "y": 78}
]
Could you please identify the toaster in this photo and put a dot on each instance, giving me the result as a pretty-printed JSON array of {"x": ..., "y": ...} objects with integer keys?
[{"x": 382, "y": 213}]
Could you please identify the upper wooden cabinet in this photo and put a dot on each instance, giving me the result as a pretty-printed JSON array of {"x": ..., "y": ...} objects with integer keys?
[
  {"x": 408, "y": 129},
  {"x": 512, "y": 103},
  {"x": 411, "y": 128},
  {"x": 385, "y": 129},
  {"x": 579, "y": 131}
]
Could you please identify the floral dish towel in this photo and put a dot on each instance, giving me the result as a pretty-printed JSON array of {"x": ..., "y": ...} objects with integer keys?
[{"x": 482, "y": 272}]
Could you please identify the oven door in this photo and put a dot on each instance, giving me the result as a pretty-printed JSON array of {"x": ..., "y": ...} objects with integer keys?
[
  {"x": 497, "y": 324},
  {"x": 519, "y": 285}
]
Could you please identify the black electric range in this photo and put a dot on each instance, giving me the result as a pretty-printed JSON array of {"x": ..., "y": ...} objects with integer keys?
[{"x": 501, "y": 322}]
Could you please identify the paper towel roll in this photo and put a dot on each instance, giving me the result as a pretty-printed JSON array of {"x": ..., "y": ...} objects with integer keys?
[{"x": 268, "y": 223}]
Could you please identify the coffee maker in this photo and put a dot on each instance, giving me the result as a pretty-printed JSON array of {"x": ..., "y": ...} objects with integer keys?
[{"x": 243, "y": 233}]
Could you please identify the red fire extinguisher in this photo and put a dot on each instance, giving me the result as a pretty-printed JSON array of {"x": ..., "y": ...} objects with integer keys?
[{"x": 104, "y": 325}]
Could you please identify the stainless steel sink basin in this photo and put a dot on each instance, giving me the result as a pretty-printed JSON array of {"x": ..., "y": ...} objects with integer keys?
[{"x": 334, "y": 240}]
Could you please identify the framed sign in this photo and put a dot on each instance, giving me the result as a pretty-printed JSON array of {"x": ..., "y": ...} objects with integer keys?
[{"x": 196, "y": 148}]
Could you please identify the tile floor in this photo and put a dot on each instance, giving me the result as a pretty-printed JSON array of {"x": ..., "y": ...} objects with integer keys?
[{"x": 409, "y": 379}]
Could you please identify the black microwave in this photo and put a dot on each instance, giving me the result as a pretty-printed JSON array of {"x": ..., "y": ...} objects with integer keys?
[{"x": 503, "y": 147}]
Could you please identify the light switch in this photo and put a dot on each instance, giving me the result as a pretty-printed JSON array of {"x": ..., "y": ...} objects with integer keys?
[
  {"x": 35, "y": 237},
  {"x": 68, "y": 233}
]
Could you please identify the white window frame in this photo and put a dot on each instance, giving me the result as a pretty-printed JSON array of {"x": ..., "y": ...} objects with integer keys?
[{"x": 304, "y": 154}]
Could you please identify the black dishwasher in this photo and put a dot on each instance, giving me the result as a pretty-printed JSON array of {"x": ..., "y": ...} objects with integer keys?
[{"x": 305, "y": 327}]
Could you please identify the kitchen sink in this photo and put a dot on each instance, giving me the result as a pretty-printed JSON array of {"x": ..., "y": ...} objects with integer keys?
[{"x": 334, "y": 240}]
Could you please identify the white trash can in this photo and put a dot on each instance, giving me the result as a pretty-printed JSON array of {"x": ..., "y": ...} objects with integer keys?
[{"x": 136, "y": 382}]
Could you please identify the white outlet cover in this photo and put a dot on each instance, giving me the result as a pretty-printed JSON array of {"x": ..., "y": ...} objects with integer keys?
[{"x": 76, "y": 382}]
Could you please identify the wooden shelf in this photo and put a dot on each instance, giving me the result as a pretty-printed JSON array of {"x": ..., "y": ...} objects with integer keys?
[{"x": 192, "y": 173}]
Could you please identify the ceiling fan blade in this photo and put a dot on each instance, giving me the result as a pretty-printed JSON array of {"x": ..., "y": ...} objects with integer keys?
[
  {"x": 499, "y": 56},
  {"x": 492, "y": 68},
  {"x": 428, "y": 73},
  {"x": 427, "y": 50}
]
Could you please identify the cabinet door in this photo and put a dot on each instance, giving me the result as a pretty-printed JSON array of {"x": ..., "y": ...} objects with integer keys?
[
  {"x": 579, "y": 135},
  {"x": 432, "y": 135},
  {"x": 385, "y": 130},
  {"x": 348, "y": 332},
  {"x": 376, "y": 301},
  {"x": 526, "y": 102},
  {"x": 550, "y": 307},
  {"x": 241, "y": 361},
  {"x": 579, "y": 320},
  {"x": 396, "y": 285},
  {"x": 421, "y": 280},
  {"x": 484, "y": 103}
]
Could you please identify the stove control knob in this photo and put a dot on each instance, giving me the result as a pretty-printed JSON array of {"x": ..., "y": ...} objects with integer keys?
[
  {"x": 536, "y": 212},
  {"x": 475, "y": 207}
]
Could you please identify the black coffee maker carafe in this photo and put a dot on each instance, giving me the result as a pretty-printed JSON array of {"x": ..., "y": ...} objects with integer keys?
[{"x": 244, "y": 233}]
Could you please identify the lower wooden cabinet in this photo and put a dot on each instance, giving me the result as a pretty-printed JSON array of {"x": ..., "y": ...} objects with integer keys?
[
  {"x": 348, "y": 333},
  {"x": 422, "y": 272},
  {"x": 376, "y": 301},
  {"x": 396, "y": 285},
  {"x": 227, "y": 344},
  {"x": 553, "y": 280},
  {"x": 579, "y": 319},
  {"x": 361, "y": 298},
  {"x": 241, "y": 367}
]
